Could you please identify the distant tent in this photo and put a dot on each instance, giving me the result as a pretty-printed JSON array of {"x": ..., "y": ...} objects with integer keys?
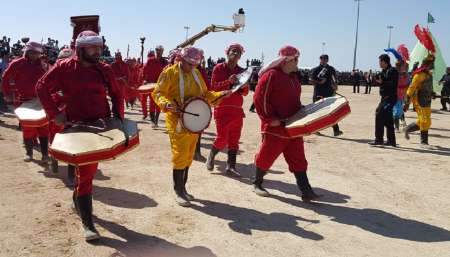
[{"x": 420, "y": 52}]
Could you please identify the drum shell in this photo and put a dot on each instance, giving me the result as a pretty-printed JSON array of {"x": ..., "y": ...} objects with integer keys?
[
  {"x": 66, "y": 147},
  {"x": 31, "y": 114},
  {"x": 321, "y": 122}
]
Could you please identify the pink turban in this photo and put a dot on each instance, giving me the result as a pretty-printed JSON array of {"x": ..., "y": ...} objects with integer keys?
[
  {"x": 192, "y": 55},
  {"x": 88, "y": 38},
  {"x": 33, "y": 46},
  {"x": 234, "y": 46},
  {"x": 159, "y": 47},
  {"x": 286, "y": 53},
  {"x": 173, "y": 55}
]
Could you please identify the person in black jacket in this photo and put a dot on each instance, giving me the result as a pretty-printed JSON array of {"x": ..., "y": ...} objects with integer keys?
[
  {"x": 387, "y": 79},
  {"x": 445, "y": 92},
  {"x": 323, "y": 77}
]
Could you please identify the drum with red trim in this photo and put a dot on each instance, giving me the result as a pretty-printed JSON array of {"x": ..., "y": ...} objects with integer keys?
[
  {"x": 31, "y": 114},
  {"x": 146, "y": 88},
  {"x": 85, "y": 143},
  {"x": 196, "y": 115},
  {"x": 318, "y": 116}
]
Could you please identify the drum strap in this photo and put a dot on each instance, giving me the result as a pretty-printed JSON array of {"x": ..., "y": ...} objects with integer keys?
[{"x": 197, "y": 81}]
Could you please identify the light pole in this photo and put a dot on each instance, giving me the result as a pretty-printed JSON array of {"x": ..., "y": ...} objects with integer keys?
[
  {"x": 323, "y": 47},
  {"x": 390, "y": 27},
  {"x": 187, "y": 31},
  {"x": 356, "y": 35}
]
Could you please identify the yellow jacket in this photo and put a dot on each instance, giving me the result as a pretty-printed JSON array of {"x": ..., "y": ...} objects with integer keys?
[
  {"x": 420, "y": 90},
  {"x": 167, "y": 91}
]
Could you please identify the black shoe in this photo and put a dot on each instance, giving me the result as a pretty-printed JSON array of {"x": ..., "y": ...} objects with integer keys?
[
  {"x": 186, "y": 174},
  {"x": 178, "y": 181},
  {"x": 424, "y": 137},
  {"x": 210, "y": 159},
  {"x": 29, "y": 150},
  {"x": 337, "y": 133},
  {"x": 388, "y": 143},
  {"x": 54, "y": 165},
  {"x": 308, "y": 193},
  {"x": 84, "y": 207},
  {"x": 376, "y": 142},
  {"x": 231, "y": 164},
  {"x": 70, "y": 176},
  {"x": 257, "y": 183}
]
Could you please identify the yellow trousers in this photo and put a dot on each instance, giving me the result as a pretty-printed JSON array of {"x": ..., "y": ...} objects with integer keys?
[
  {"x": 183, "y": 149},
  {"x": 423, "y": 117}
]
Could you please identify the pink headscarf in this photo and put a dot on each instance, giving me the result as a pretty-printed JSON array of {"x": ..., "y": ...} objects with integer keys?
[
  {"x": 88, "y": 38},
  {"x": 192, "y": 55},
  {"x": 160, "y": 47},
  {"x": 285, "y": 54},
  {"x": 235, "y": 46},
  {"x": 33, "y": 46}
]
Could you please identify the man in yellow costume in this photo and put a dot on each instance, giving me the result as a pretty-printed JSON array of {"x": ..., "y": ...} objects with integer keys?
[
  {"x": 176, "y": 85},
  {"x": 420, "y": 93}
]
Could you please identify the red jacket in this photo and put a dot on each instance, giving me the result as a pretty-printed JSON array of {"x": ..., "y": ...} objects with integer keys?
[
  {"x": 277, "y": 96},
  {"x": 153, "y": 68},
  {"x": 84, "y": 90},
  {"x": 232, "y": 105},
  {"x": 21, "y": 76}
]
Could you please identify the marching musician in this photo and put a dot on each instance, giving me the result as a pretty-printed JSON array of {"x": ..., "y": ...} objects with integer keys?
[
  {"x": 122, "y": 73},
  {"x": 323, "y": 78},
  {"x": 229, "y": 114},
  {"x": 152, "y": 69},
  {"x": 85, "y": 83},
  {"x": 177, "y": 84},
  {"x": 20, "y": 79},
  {"x": 277, "y": 97},
  {"x": 420, "y": 93}
]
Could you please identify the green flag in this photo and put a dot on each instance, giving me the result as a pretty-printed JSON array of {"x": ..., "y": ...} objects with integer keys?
[{"x": 430, "y": 18}]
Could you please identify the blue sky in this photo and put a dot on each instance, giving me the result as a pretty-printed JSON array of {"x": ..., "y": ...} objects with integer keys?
[{"x": 270, "y": 25}]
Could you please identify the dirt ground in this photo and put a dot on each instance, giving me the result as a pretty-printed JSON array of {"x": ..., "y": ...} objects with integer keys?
[{"x": 378, "y": 201}]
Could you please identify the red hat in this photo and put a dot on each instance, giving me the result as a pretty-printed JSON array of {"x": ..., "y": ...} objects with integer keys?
[
  {"x": 33, "y": 46},
  {"x": 235, "y": 46},
  {"x": 192, "y": 55}
]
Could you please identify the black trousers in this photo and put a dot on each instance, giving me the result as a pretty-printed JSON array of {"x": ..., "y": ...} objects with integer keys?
[
  {"x": 444, "y": 100},
  {"x": 356, "y": 87},
  {"x": 384, "y": 118},
  {"x": 368, "y": 88}
]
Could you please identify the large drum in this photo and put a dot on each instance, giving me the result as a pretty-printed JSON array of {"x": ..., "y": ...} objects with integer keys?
[
  {"x": 146, "y": 88},
  {"x": 82, "y": 144},
  {"x": 196, "y": 115},
  {"x": 31, "y": 114},
  {"x": 318, "y": 116}
]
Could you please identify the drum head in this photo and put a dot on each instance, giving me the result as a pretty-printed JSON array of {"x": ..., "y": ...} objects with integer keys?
[{"x": 198, "y": 123}]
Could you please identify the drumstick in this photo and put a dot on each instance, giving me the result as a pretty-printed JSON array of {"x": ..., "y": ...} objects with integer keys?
[{"x": 183, "y": 111}]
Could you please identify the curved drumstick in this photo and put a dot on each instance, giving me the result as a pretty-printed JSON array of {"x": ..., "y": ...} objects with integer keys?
[{"x": 183, "y": 111}]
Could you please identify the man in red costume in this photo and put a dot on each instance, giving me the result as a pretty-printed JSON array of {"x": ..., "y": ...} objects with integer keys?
[
  {"x": 133, "y": 82},
  {"x": 152, "y": 69},
  {"x": 229, "y": 114},
  {"x": 19, "y": 80},
  {"x": 85, "y": 83},
  {"x": 122, "y": 73},
  {"x": 277, "y": 97}
]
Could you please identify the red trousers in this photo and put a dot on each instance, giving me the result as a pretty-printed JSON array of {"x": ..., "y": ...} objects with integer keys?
[
  {"x": 84, "y": 176},
  {"x": 153, "y": 106},
  {"x": 33, "y": 132},
  {"x": 228, "y": 133},
  {"x": 292, "y": 149}
]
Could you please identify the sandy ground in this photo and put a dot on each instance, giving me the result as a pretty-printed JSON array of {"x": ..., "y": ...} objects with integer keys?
[{"x": 378, "y": 201}]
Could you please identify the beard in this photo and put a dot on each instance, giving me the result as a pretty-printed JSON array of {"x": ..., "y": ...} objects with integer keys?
[{"x": 93, "y": 59}]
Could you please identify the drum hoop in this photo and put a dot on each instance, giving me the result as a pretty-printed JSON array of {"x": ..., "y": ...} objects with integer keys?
[{"x": 186, "y": 104}]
